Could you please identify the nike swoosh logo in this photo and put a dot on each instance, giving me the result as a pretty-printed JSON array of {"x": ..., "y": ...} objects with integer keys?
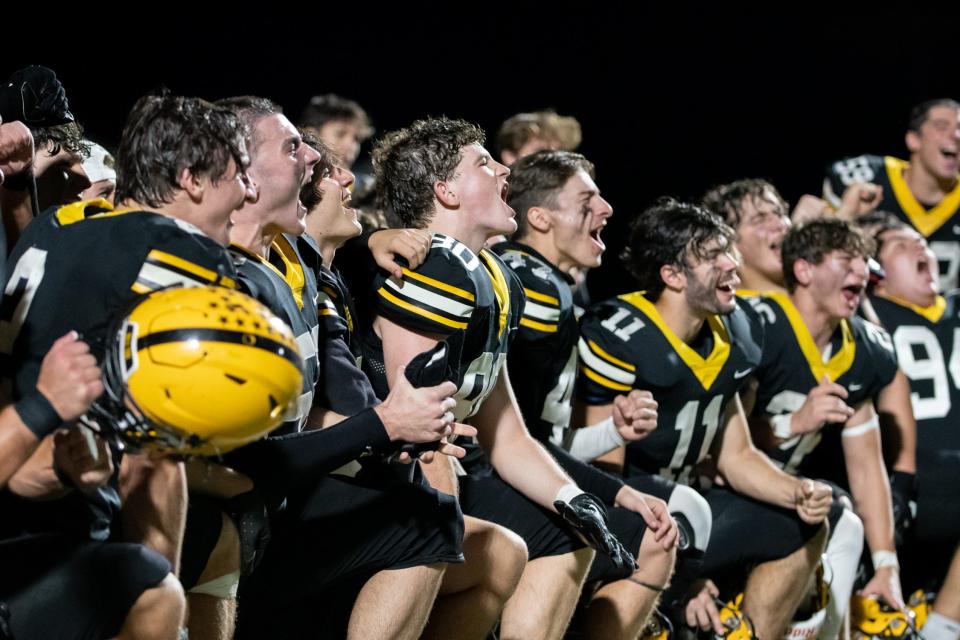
[
  {"x": 855, "y": 387},
  {"x": 739, "y": 374}
]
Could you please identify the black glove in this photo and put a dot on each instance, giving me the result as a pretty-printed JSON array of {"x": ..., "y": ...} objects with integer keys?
[
  {"x": 34, "y": 96},
  {"x": 249, "y": 513},
  {"x": 587, "y": 515},
  {"x": 903, "y": 492},
  {"x": 428, "y": 369}
]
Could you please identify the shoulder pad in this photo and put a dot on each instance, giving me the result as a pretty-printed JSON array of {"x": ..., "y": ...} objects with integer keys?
[
  {"x": 843, "y": 173},
  {"x": 439, "y": 296},
  {"x": 606, "y": 358}
]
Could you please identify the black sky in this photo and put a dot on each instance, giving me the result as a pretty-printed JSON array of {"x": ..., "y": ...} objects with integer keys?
[{"x": 673, "y": 98}]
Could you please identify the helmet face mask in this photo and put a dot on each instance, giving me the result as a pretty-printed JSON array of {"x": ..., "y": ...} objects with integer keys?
[{"x": 196, "y": 371}]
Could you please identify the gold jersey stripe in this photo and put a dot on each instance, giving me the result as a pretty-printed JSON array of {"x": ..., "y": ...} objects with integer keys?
[
  {"x": 541, "y": 297},
  {"x": 609, "y": 358},
  {"x": 606, "y": 382},
  {"x": 185, "y": 265},
  {"x": 466, "y": 295},
  {"x": 539, "y": 326},
  {"x": 421, "y": 312}
]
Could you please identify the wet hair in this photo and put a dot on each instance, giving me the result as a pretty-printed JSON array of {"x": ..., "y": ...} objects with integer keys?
[
  {"x": 408, "y": 162},
  {"x": 670, "y": 233},
  {"x": 813, "y": 240},
  {"x": 166, "y": 134},
  {"x": 726, "y": 200},
  {"x": 537, "y": 179}
]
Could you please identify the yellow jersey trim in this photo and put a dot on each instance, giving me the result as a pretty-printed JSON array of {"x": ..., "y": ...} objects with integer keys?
[
  {"x": 609, "y": 358},
  {"x": 839, "y": 363},
  {"x": 420, "y": 312},
  {"x": 606, "y": 382},
  {"x": 933, "y": 313},
  {"x": 539, "y": 326},
  {"x": 500, "y": 288},
  {"x": 925, "y": 221},
  {"x": 294, "y": 276},
  {"x": 185, "y": 265},
  {"x": 466, "y": 295},
  {"x": 706, "y": 370},
  {"x": 541, "y": 297}
]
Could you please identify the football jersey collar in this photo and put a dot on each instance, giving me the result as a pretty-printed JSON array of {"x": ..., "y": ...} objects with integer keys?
[
  {"x": 933, "y": 313},
  {"x": 519, "y": 247},
  {"x": 706, "y": 369},
  {"x": 839, "y": 363},
  {"x": 926, "y": 222},
  {"x": 500, "y": 288}
]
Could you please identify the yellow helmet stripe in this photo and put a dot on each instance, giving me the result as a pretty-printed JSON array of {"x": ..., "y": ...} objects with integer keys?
[{"x": 221, "y": 335}]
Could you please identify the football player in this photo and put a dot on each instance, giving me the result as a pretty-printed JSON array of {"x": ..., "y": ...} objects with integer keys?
[
  {"x": 683, "y": 337},
  {"x": 396, "y": 556},
  {"x": 923, "y": 192},
  {"x": 181, "y": 176},
  {"x": 822, "y": 365},
  {"x": 436, "y": 175},
  {"x": 526, "y": 133},
  {"x": 560, "y": 214},
  {"x": 924, "y": 329}
]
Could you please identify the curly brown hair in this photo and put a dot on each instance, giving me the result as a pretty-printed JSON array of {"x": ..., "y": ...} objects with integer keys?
[{"x": 813, "y": 240}]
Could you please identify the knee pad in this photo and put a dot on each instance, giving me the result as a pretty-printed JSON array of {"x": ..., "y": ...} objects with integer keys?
[
  {"x": 692, "y": 512},
  {"x": 224, "y": 587}
]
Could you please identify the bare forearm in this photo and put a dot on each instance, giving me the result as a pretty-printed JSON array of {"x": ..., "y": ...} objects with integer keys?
[
  {"x": 526, "y": 466},
  {"x": 871, "y": 494},
  {"x": 441, "y": 475},
  {"x": 36, "y": 478},
  {"x": 154, "y": 494},
  {"x": 751, "y": 473},
  {"x": 895, "y": 407},
  {"x": 17, "y": 443}
]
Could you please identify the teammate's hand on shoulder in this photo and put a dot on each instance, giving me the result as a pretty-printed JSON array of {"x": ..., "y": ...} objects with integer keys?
[
  {"x": 823, "y": 405},
  {"x": 812, "y": 500},
  {"x": 412, "y": 245},
  {"x": 69, "y": 377},
  {"x": 16, "y": 148},
  {"x": 886, "y": 584},
  {"x": 701, "y": 611},
  {"x": 635, "y": 414},
  {"x": 81, "y": 458}
]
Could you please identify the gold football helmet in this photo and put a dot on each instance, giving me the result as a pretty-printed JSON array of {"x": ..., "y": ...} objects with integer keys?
[
  {"x": 871, "y": 618},
  {"x": 197, "y": 371},
  {"x": 736, "y": 624}
]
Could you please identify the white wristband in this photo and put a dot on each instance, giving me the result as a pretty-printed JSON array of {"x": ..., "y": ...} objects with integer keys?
[
  {"x": 883, "y": 559},
  {"x": 588, "y": 443},
  {"x": 781, "y": 426},
  {"x": 567, "y": 493},
  {"x": 854, "y": 431}
]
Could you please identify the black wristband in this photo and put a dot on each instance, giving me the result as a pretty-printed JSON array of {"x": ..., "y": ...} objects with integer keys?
[
  {"x": 904, "y": 483},
  {"x": 38, "y": 414}
]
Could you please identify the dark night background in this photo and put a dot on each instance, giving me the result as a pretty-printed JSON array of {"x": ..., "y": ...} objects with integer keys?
[{"x": 672, "y": 98}]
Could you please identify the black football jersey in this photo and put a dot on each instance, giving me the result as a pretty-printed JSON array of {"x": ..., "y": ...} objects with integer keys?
[
  {"x": 860, "y": 358},
  {"x": 625, "y": 344},
  {"x": 81, "y": 275},
  {"x": 935, "y": 221},
  {"x": 281, "y": 284},
  {"x": 926, "y": 339},
  {"x": 472, "y": 301},
  {"x": 543, "y": 358},
  {"x": 343, "y": 387}
]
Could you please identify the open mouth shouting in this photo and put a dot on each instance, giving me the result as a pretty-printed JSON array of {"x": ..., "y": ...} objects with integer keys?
[{"x": 852, "y": 293}]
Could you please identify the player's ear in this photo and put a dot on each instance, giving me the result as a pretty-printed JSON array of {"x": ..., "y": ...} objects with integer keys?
[
  {"x": 191, "y": 184},
  {"x": 912, "y": 140},
  {"x": 803, "y": 272},
  {"x": 539, "y": 219},
  {"x": 444, "y": 192},
  {"x": 673, "y": 277}
]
